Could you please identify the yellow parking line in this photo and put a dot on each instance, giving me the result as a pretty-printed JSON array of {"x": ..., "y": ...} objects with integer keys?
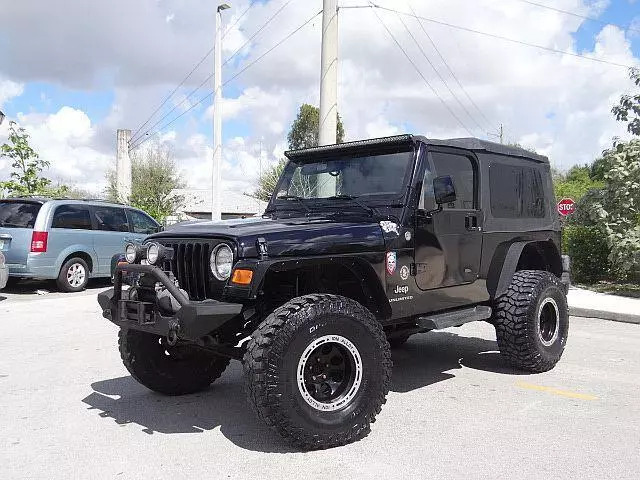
[{"x": 555, "y": 391}]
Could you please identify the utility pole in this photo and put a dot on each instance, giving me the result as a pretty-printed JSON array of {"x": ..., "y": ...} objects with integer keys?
[
  {"x": 501, "y": 134},
  {"x": 123, "y": 166},
  {"x": 329, "y": 85},
  {"x": 216, "y": 210}
]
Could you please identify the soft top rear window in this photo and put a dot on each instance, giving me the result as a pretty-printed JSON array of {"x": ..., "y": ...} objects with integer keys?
[{"x": 18, "y": 214}]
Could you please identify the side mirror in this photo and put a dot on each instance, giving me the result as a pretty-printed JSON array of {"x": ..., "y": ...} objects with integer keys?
[{"x": 443, "y": 190}]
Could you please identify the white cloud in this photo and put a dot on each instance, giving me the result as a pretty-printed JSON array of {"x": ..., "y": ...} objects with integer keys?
[
  {"x": 9, "y": 90},
  {"x": 559, "y": 105}
]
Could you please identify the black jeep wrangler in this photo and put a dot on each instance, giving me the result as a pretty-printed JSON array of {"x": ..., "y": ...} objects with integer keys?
[{"x": 362, "y": 245}]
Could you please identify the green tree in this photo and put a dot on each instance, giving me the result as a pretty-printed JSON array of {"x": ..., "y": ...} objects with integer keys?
[
  {"x": 153, "y": 177},
  {"x": 26, "y": 178},
  {"x": 576, "y": 183},
  {"x": 615, "y": 209},
  {"x": 304, "y": 133},
  {"x": 268, "y": 181},
  {"x": 305, "y": 129},
  {"x": 628, "y": 108}
]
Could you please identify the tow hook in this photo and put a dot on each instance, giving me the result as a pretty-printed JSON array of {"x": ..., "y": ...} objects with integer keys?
[{"x": 172, "y": 335}]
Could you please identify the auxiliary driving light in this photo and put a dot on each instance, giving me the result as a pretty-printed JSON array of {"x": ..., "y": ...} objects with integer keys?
[
  {"x": 133, "y": 253},
  {"x": 157, "y": 253}
]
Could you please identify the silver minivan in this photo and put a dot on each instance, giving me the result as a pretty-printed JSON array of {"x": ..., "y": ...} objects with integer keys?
[{"x": 67, "y": 240}]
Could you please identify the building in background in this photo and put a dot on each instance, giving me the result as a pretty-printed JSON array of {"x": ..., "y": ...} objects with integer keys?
[{"x": 197, "y": 205}]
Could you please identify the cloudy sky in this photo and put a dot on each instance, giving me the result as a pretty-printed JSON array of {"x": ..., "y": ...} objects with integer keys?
[{"x": 72, "y": 72}]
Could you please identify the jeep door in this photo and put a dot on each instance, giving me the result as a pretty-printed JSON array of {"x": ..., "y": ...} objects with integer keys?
[{"x": 448, "y": 243}]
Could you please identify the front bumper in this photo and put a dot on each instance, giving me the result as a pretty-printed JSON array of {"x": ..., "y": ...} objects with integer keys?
[{"x": 190, "y": 322}]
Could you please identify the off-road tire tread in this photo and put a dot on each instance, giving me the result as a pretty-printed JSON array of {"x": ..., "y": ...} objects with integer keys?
[
  {"x": 512, "y": 323},
  {"x": 279, "y": 327},
  {"x": 168, "y": 384}
]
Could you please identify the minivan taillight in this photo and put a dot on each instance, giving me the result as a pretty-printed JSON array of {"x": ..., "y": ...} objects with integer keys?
[{"x": 39, "y": 242}]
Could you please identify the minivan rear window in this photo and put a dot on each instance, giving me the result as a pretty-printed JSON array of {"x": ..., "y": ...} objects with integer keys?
[{"x": 18, "y": 214}]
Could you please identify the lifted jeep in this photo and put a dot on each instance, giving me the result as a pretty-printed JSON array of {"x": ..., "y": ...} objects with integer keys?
[{"x": 362, "y": 245}]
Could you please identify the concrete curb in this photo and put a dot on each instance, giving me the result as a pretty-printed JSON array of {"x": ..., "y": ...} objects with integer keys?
[{"x": 604, "y": 315}]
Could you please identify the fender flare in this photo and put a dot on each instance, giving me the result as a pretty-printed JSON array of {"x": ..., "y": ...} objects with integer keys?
[
  {"x": 503, "y": 266},
  {"x": 371, "y": 283}
]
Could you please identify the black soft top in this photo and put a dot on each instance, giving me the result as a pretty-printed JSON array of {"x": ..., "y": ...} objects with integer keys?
[
  {"x": 400, "y": 142},
  {"x": 477, "y": 145}
]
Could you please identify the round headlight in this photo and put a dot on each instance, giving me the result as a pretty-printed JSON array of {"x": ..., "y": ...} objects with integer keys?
[
  {"x": 221, "y": 261},
  {"x": 130, "y": 252},
  {"x": 153, "y": 250}
]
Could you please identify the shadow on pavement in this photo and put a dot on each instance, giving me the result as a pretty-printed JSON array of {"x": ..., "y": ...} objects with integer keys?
[
  {"x": 423, "y": 361},
  {"x": 31, "y": 287}
]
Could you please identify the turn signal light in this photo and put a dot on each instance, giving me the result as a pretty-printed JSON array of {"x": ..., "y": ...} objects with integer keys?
[{"x": 242, "y": 277}]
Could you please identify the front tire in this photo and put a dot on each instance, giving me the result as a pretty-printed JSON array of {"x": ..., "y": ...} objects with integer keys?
[
  {"x": 176, "y": 370},
  {"x": 317, "y": 371},
  {"x": 532, "y": 321}
]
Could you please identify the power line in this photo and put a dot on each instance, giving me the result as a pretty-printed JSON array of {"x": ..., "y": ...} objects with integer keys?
[
  {"x": 439, "y": 75},
  {"x": 584, "y": 17},
  {"x": 500, "y": 37},
  {"x": 453, "y": 114},
  {"x": 175, "y": 107},
  {"x": 172, "y": 92},
  {"x": 455, "y": 77},
  {"x": 168, "y": 97},
  {"x": 238, "y": 19},
  {"x": 240, "y": 72},
  {"x": 264, "y": 25}
]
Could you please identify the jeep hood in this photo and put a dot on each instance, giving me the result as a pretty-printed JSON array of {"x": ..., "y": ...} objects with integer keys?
[{"x": 288, "y": 237}]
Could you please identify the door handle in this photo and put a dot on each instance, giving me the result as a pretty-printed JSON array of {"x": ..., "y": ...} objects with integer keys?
[{"x": 471, "y": 223}]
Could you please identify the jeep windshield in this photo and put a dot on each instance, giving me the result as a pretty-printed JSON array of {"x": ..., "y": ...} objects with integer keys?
[{"x": 377, "y": 179}]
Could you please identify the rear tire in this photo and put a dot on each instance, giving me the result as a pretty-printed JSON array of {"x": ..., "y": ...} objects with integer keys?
[
  {"x": 174, "y": 370},
  {"x": 532, "y": 321},
  {"x": 73, "y": 276},
  {"x": 317, "y": 371}
]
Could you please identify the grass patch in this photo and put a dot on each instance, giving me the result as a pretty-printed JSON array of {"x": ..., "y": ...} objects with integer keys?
[{"x": 623, "y": 289}]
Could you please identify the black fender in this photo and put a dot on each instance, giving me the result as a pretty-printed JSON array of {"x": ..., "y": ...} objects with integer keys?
[
  {"x": 503, "y": 265},
  {"x": 372, "y": 284},
  {"x": 505, "y": 262}
]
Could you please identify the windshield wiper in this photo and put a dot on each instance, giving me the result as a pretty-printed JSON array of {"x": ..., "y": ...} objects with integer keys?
[
  {"x": 355, "y": 200},
  {"x": 300, "y": 200}
]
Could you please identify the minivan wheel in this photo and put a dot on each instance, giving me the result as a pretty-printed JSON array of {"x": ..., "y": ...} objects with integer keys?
[
  {"x": 74, "y": 275},
  {"x": 317, "y": 371}
]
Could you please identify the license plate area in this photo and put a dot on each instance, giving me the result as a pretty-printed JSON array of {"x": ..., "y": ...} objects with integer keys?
[{"x": 143, "y": 313}]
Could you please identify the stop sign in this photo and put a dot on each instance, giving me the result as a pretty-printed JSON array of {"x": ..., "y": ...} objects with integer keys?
[{"x": 566, "y": 206}]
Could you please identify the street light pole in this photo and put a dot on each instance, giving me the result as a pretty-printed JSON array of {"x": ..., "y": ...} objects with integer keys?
[
  {"x": 328, "y": 88},
  {"x": 216, "y": 213}
]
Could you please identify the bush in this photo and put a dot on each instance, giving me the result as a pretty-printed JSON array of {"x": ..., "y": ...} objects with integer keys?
[{"x": 589, "y": 252}]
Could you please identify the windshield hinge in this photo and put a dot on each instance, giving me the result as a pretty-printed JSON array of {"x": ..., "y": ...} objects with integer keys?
[{"x": 261, "y": 245}]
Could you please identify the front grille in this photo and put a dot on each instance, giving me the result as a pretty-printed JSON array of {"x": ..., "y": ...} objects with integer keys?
[{"x": 190, "y": 266}]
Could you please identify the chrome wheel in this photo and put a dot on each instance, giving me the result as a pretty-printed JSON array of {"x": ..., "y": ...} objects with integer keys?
[
  {"x": 547, "y": 324},
  {"x": 329, "y": 373},
  {"x": 76, "y": 275}
]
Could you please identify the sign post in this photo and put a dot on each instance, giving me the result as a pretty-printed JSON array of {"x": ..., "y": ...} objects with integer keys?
[{"x": 566, "y": 206}]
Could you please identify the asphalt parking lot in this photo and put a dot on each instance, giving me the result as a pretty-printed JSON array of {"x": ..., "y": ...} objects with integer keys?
[{"x": 68, "y": 409}]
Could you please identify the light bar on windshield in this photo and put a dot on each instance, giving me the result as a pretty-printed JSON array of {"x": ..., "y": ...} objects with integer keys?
[{"x": 348, "y": 147}]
